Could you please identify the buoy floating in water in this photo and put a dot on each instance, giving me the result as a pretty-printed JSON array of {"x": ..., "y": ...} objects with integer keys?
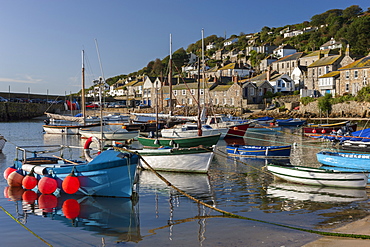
[
  {"x": 47, "y": 185},
  {"x": 15, "y": 179},
  {"x": 47, "y": 202},
  {"x": 71, "y": 183}
]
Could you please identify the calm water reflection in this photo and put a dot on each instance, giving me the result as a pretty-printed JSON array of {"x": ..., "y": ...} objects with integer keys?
[{"x": 159, "y": 215}]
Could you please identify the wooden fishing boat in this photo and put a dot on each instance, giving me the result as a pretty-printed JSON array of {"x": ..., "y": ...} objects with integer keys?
[
  {"x": 319, "y": 177},
  {"x": 109, "y": 134},
  {"x": 73, "y": 129},
  {"x": 330, "y": 128},
  {"x": 191, "y": 130},
  {"x": 156, "y": 142},
  {"x": 194, "y": 160},
  {"x": 358, "y": 161},
  {"x": 290, "y": 122},
  {"x": 116, "y": 167},
  {"x": 258, "y": 151},
  {"x": 261, "y": 128},
  {"x": 2, "y": 143},
  {"x": 236, "y": 127}
]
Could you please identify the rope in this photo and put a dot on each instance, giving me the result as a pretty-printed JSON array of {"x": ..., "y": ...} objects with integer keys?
[
  {"x": 243, "y": 217},
  {"x": 25, "y": 227}
]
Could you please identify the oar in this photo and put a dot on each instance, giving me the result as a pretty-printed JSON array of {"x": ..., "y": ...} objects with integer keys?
[{"x": 69, "y": 161}]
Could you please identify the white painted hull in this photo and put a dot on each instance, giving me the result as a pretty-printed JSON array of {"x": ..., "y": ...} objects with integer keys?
[
  {"x": 319, "y": 177},
  {"x": 65, "y": 130},
  {"x": 197, "y": 162},
  {"x": 112, "y": 135},
  {"x": 178, "y": 133}
]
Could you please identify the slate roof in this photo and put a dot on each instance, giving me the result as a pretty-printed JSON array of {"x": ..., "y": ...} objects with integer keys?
[
  {"x": 361, "y": 63},
  {"x": 331, "y": 74},
  {"x": 291, "y": 57},
  {"x": 325, "y": 61}
]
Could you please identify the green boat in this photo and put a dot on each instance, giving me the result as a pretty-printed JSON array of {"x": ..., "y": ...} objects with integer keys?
[{"x": 188, "y": 142}]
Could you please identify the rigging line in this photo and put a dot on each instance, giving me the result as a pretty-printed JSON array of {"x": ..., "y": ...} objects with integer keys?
[
  {"x": 244, "y": 217},
  {"x": 101, "y": 66},
  {"x": 25, "y": 227}
]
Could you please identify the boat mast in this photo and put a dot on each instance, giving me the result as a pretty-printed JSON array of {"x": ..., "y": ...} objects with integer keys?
[
  {"x": 199, "y": 120},
  {"x": 83, "y": 104},
  {"x": 203, "y": 70},
  {"x": 170, "y": 76}
]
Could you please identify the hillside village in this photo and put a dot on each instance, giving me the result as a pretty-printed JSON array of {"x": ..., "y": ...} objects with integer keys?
[{"x": 234, "y": 83}]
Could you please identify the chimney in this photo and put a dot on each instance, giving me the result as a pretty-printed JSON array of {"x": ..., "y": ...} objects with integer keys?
[{"x": 268, "y": 73}]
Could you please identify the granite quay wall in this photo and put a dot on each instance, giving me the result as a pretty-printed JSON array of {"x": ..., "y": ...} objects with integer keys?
[{"x": 13, "y": 111}]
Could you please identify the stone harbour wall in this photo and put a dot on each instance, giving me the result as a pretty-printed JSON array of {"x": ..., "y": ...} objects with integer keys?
[{"x": 12, "y": 111}]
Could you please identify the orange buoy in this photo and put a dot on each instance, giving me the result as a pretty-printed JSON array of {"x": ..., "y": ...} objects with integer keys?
[
  {"x": 47, "y": 185},
  {"x": 71, "y": 183},
  {"x": 29, "y": 182},
  {"x": 29, "y": 196},
  {"x": 235, "y": 128},
  {"x": 15, "y": 179},
  {"x": 313, "y": 131},
  {"x": 71, "y": 208},
  {"x": 47, "y": 202},
  {"x": 323, "y": 131},
  {"x": 15, "y": 193},
  {"x": 8, "y": 171}
]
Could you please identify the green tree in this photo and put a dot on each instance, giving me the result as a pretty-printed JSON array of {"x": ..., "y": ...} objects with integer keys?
[{"x": 324, "y": 103}]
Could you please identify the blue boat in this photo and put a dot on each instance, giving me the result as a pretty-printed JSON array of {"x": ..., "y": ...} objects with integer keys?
[
  {"x": 350, "y": 161},
  {"x": 111, "y": 173},
  {"x": 259, "y": 151},
  {"x": 290, "y": 122}
]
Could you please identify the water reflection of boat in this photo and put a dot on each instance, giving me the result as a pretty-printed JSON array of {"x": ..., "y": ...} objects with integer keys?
[
  {"x": 194, "y": 184},
  {"x": 113, "y": 217},
  {"x": 315, "y": 193}
]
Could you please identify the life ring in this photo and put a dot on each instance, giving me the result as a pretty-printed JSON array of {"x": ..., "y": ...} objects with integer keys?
[
  {"x": 87, "y": 147},
  {"x": 143, "y": 127}
]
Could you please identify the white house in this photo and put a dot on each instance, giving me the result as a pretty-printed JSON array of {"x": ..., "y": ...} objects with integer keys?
[
  {"x": 284, "y": 50},
  {"x": 282, "y": 83}
]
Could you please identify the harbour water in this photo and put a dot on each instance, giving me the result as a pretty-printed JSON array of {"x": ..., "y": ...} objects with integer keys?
[{"x": 161, "y": 216}]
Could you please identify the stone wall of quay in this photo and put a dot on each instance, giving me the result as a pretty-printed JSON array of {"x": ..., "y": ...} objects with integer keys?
[{"x": 12, "y": 111}]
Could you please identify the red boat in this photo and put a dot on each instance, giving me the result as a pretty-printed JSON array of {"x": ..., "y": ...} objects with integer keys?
[
  {"x": 329, "y": 129},
  {"x": 237, "y": 131}
]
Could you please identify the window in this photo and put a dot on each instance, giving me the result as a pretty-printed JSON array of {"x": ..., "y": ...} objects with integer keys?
[
  {"x": 347, "y": 74},
  {"x": 201, "y": 91},
  {"x": 355, "y": 74},
  {"x": 319, "y": 71},
  {"x": 183, "y": 92},
  {"x": 190, "y": 101},
  {"x": 293, "y": 64},
  {"x": 192, "y": 91},
  {"x": 216, "y": 101},
  {"x": 282, "y": 66},
  {"x": 183, "y": 101},
  {"x": 225, "y": 101},
  {"x": 260, "y": 92},
  {"x": 347, "y": 87},
  {"x": 252, "y": 91},
  {"x": 287, "y": 65},
  {"x": 232, "y": 101},
  {"x": 175, "y": 92}
]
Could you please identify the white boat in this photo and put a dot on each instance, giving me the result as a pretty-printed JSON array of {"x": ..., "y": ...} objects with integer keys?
[
  {"x": 2, "y": 143},
  {"x": 191, "y": 130},
  {"x": 195, "y": 160},
  {"x": 68, "y": 129},
  {"x": 315, "y": 193},
  {"x": 317, "y": 176},
  {"x": 109, "y": 134}
]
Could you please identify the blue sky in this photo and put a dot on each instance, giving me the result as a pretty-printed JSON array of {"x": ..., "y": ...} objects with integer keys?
[{"x": 41, "y": 40}]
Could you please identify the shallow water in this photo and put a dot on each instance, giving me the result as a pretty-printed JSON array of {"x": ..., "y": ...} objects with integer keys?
[{"x": 161, "y": 216}]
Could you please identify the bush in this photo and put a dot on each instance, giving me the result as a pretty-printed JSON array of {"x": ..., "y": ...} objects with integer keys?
[{"x": 306, "y": 100}]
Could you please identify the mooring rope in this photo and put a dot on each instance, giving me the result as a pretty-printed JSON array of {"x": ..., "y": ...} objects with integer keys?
[
  {"x": 349, "y": 235},
  {"x": 25, "y": 227}
]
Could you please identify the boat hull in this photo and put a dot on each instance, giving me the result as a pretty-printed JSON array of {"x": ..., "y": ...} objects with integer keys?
[
  {"x": 345, "y": 160},
  {"x": 67, "y": 129},
  {"x": 206, "y": 141},
  {"x": 111, "y": 174},
  {"x": 112, "y": 135},
  {"x": 178, "y": 133},
  {"x": 258, "y": 151},
  {"x": 193, "y": 161},
  {"x": 237, "y": 131},
  {"x": 326, "y": 130},
  {"x": 319, "y": 177}
]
